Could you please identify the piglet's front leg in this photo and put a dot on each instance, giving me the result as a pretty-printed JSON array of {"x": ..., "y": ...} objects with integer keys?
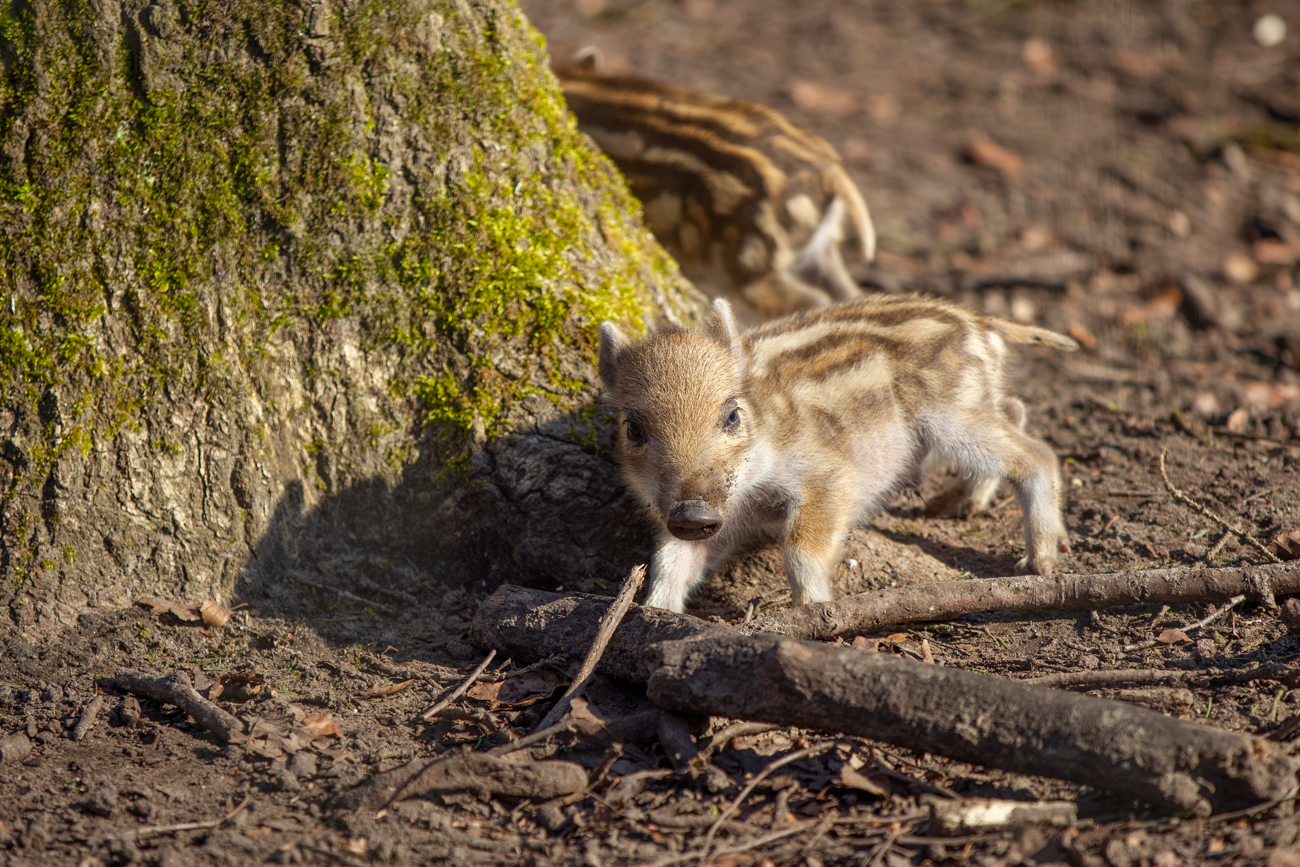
[
  {"x": 814, "y": 535},
  {"x": 675, "y": 570}
]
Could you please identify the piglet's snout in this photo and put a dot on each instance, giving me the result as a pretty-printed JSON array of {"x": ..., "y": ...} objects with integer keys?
[{"x": 692, "y": 520}]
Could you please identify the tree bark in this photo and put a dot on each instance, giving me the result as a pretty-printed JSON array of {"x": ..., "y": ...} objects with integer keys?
[{"x": 285, "y": 278}]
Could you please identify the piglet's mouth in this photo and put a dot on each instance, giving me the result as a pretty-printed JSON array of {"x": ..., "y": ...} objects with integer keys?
[{"x": 693, "y": 520}]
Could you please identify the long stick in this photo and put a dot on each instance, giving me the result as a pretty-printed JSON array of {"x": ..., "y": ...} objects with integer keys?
[
  {"x": 607, "y": 626},
  {"x": 949, "y": 600},
  {"x": 1128, "y": 750}
]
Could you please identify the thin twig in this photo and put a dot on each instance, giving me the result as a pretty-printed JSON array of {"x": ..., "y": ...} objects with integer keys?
[
  {"x": 936, "y": 788},
  {"x": 883, "y": 849},
  {"x": 1206, "y": 513},
  {"x": 608, "y": 624},
  {"x": 460, "y": 690},
  {"x": 740, "y": 847},
  {"x": 1269, "y": 671},
  {"x": 528, "y": 740},
  {"x": 1218, "y": 546},
  {"x": 350, "y": 597},
  {"x": 1203, "y": 622},
  {"x": 823, "y": 826},
  {"x": 190, "y": 826},
  {"x": 762, "y": 775}
]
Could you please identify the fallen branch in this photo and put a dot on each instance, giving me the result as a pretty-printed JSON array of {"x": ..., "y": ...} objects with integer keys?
[
  {"x": 970, "y": 717},
  {"x": 696, "y": 667},
  {"x": 1276, "y": 671},
  {"x": 872, "y": 612},
  {"x": 607, "y": 626},
  {"x": 1206, "y": 513},
  {"x": 460, "y": 690},
  {"x": 176, "y": 689}
]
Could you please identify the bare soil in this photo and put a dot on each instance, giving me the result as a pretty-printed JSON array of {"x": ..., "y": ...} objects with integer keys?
[{"x": 1143, "y": 195}]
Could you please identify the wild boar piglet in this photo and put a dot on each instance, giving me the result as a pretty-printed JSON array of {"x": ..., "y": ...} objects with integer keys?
[{"x": 804, "y": 426}]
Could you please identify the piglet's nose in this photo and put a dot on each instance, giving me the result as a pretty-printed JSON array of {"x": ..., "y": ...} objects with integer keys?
[{"x": 693, "y": 520}]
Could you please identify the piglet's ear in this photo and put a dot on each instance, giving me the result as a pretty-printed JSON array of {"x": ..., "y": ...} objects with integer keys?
[
  {"x": 728, "y": 332},
  {"x": 612, "y": 344}
]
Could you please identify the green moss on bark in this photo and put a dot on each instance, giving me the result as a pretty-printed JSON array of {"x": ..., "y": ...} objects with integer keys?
[{"x": 169, "y": 203}]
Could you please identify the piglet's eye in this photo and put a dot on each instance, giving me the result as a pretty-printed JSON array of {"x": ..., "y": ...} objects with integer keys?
[
  {"x": 635, "y": 433},
  {"x": 733, "y": 420}
]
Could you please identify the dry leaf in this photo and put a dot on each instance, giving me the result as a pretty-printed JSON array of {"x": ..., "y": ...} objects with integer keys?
[
  {"x": 515, "y": 691},
  {"x": 1238, "y": 420},
  {"x": 384, "y": 689},
  {"x": 816, "y": 97},
  {"x": 322, "y": 724},
  {"x": 1081, "y": 335},
  {"x": 213, "y": 614},
  {"x": 1286, "y": 546},
  {"x": 1173, "y": 636},
  {"x": 1163, "y": 306},
  {"x": 983, "y": 151},
  {"x": 241, "y": 686},
  {"x": 357, "y": 846},
  {"x": 162, "y": 606},
  {"x": 1271, "y": 252},
  {"x": 855, "y": 780},
  {"x": 862, "y": 643},
  {"x": 485, "y": 691}
]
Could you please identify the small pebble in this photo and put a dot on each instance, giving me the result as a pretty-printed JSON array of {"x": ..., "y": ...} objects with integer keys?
[
  {"x": 1269, "y": 30},
  {"x": 1240, "y": 269}
]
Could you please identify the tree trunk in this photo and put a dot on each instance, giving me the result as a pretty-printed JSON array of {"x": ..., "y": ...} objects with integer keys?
[{"x": 280, "y": 280}]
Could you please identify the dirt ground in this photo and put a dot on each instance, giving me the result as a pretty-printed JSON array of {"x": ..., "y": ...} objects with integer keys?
[{"x": 1128, "y": 173}]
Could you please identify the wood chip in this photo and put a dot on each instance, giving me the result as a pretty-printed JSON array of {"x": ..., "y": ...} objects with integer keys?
[
  {"x": 816, "y": 97},
  {"x": 983, "y": 151},
  {"x": 1081, "y": 335}
]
